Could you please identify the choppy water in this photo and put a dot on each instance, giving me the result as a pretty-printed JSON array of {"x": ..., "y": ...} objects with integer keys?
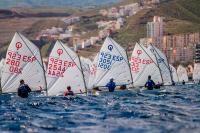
[{"x": 172, "y": 109}]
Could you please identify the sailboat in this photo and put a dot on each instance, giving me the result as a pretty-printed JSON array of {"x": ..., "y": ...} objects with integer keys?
[
  {"x": 85, "y": 62},
  {"x": 196, "y": 73},
  {"x": 174, "y": 73},
  {"x": 163, "y": 65},
  {"x": 143, "y": 65},
  {"x": 1, "y": 65},
  {"x": 64, "y": 69},
  {"x": 93, "y": 71},
  {"x": 23, "y": 61},
  {"x": 112, "y": 63},
  {"x": 182, "y": 74}
]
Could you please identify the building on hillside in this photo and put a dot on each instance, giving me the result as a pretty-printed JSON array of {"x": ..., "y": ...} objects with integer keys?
[
  {"x": 155, "y": 28},
  {"x": 71, "y": 20},
  {"x": 197, "y": 53},
  {"x": 180, "y": 48},
  {"x": 103, "y": 12},
  {"x": 149, "y": 2},
  {"x": 177, "y": 48}
]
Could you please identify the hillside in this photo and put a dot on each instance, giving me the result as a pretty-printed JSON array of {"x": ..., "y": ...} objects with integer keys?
[{"x": 181, "y": 16}]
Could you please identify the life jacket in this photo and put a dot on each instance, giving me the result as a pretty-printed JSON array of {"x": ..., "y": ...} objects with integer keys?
[
  {"x": 150, "y": 84},
  {"x": 111, "y": 86},
  {"x": 67, "y": 93},
  {"x": 23, "y": 91}
]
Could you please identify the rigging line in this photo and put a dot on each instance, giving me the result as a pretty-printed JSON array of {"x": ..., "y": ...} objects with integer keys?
[
  {"x": 160, "y": 57},
  {"x": 83, "y": 76},
  {"x": 31, "y": 53},
  {"x": 119, "y": 51},
  {"x": 159, "y": 68},
  {"x": 70, "y": 56},
  {"x": 41, "y": 65},
  {"x": 163, "y": 61},
  {"x": 111, "y": 65},
  {"x": 152, "y": 60},
  {"x": 30, "y": 50},
  {"x": 129, "y": 66},
  {"x": 80, "y": 69},
  {"x": 148, "y": 55}
]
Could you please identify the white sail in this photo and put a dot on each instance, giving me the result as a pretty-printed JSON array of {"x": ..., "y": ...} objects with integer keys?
[
  {"x": 1, "y": 65},
  {"x": 93, "y": 70},
  {"x": 64, "y": 70},
  {"x": 23, "y": 61},
  {"x": 174, "y": 73},
  {"x": 196, "y": 72},
  {"x": 112, "y": 63},
  {"x": 85, "y": 63},
  {"x": 182, "y": 74},
  {"x": 142, "y": 65},
  {"x": 161, "y": 59}
]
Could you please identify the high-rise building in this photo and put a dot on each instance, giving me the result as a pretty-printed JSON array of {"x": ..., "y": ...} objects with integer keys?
[
  {"x": 197, "y": 53},
  {"x": 155, "y": 28}
]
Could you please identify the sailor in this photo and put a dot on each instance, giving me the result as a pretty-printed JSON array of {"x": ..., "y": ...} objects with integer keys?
[
  {"x": 157, "y": 86},
  {"x": 150, "y": 83},
  {"x": 68, "y": 92},
  {"x": 183, "y": 83},
  {"x": 23, "y": 89},
  {"x": 95, "y": 91},
  {"x": 173, "y": 83},
  {"x": 122, "y": 87},
  {"x": 111, "y": 85}
]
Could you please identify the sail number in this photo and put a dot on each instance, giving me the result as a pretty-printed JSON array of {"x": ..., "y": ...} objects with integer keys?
[
  {"x": 57, "y": 67},
  {"x": 14, "y": 61},
  {"x": 135, "y": 61},
  {"x": 106, "y": 59}
]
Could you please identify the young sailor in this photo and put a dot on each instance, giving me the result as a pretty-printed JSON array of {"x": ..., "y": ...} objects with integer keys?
[
  {"x": 183, "y": 83},
  {"x": 68, "y": 92},
  {"x": 111, "y": 85},
  {"x": 122, "y": 87},
  {"x": 23, "y": 89},
  {"x": 150, "y": 83},
  {"x": 173, "y": 83},
  {"x": 157, "y": 86}
]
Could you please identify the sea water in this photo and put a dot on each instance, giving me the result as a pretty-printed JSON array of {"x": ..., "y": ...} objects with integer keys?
[{"x": 171, "y": 109}]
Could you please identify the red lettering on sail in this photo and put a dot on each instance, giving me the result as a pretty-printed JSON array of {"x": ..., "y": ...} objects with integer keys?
[
  {"x": 18, "y": 45},
  {"x": 16, "y": 60},
  {"x": 136, "y": 61},
  {"x": 60, "y": 51},
  {"x": 57, "y": 67}
]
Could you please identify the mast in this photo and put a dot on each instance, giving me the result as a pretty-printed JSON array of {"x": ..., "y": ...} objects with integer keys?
[
  {"x": 130, "y": 69},
  {"x": 167, "y": 65},
  {"x": 83, "y": 75},
  {"x": 159, "y": 68},
  {"x": 45, "y": 79}
]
